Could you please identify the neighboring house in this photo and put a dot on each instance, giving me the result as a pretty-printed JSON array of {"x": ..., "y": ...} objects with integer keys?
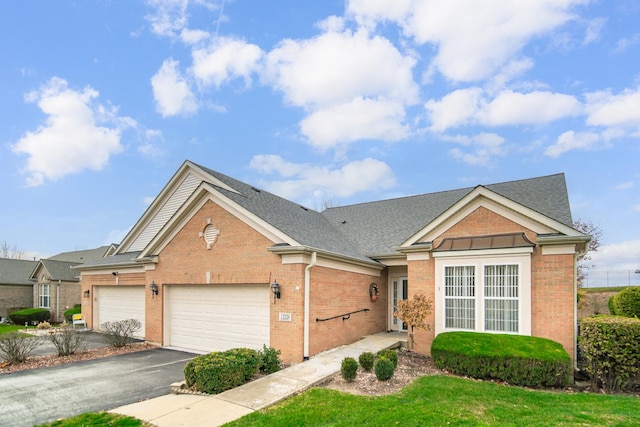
[
  {"x": 16, "y": 290},
  {"x": 55, "y": 286},
  {"x": 199, "y": 269}
]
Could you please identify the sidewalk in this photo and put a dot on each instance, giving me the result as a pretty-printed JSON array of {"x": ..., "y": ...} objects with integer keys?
[{"x": 175, "y": 410}]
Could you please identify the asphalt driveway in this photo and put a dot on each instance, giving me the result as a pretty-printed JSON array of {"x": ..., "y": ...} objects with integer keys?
[{"x": 44, "y": 395}]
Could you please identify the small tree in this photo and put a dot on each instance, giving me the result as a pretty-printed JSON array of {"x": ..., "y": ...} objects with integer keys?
[
  {"x": 596, "y": 234},
  {"x": 414, "y": 312}
]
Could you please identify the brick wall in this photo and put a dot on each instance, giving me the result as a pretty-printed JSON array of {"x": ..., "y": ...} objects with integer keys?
[{"x": 12, "y": 296}]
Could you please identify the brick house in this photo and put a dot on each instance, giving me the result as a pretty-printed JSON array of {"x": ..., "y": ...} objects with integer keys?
[
  {"x": 55, "y": 286},
  {"x": 15, "y": 286},
  {"x": 215, "y": 263}
]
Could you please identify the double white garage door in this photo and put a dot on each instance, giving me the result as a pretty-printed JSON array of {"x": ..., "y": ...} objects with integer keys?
[
  {"x": 216, "y": 318},
  {"x": 197, "y": 318}
]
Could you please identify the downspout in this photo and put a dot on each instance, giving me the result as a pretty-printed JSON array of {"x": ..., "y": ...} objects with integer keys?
[
  {"x": 307, "y": 281},
  {"x": 58, "y": 301}
]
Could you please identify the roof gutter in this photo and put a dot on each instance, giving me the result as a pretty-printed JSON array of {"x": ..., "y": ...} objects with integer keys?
[{"x": 307, "y": 286}]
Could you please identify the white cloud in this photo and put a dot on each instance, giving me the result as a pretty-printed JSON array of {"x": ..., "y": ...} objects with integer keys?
[
  {"x": 454, "y": 109},
  {"x": 606, "y": 109},
  {"x": 475, "y": 44},
  {"x": 472, "y": 106},
  {"x": 512, "y": 108},
  {"x": 594, "y": 28},
  {"x": 618, "y": 256},
  {"x": 571, "y": 140},
  {"x": 624, "y": 185},
  {"x": 355, "y": 120},
  {"x": 482, "y": 149},
  {"x": 331, "y": 76},
  {"x": 171, "y": 91},
  {"x": 78, "y": 134},
  {"x": 304, "y": 180},
  {"x": 225, "y": 59},
  {"x": 169, "y": 18},
  {"x": 336, "y": 67}
]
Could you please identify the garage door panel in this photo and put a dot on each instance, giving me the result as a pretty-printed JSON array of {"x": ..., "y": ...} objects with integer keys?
[
  {"x": 207, "y": 318},
  {"x": 115, "y": 303}
]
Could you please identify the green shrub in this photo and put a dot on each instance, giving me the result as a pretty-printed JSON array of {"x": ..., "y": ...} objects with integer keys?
[
  {"x": 612, "y": 306},
  {"x": 384, "y": 368},
  {"x": 516, "y": 359},
  {"x": 30, "y": 315},
  {"x": 269, "y": 360},
  {"x": 392, "y": 355},
  {"x": 366, "y": 360},
  {"x": 68, "y": 314},
  {"x": 627, "y": 302},
  {"x": 245, "y": 359},
  {"x": 219, "y": 371},
  {"x": 349, "y": 369},
  {"x": 611, "y": 348}
]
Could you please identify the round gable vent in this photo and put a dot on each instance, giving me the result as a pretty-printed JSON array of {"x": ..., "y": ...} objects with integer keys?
[{"x": 210, "y": 235}]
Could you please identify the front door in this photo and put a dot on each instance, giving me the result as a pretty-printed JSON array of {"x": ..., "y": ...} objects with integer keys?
[{"x": 399, "y": 291}]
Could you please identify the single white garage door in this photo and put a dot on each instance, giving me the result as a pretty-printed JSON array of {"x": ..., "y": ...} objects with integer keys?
[
  {"x": 217, "y": 318},
  {"x": 120, "y": 303}
]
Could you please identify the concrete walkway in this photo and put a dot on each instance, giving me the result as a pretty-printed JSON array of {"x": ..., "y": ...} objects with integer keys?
[{"x": 174, "y": 410}]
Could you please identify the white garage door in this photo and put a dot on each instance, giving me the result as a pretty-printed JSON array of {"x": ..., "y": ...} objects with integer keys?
[
  {"x": 120, "y": 303},
  {"x": 217, "y": 318}
]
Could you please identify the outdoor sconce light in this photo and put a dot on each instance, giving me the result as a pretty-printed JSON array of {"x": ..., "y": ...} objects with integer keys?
[
  {"x": 154, "y": 288},
  {"x": 275, "y": 288},
  {"x": 87, "y": 293},
  {"x": 373, "y": 291}
]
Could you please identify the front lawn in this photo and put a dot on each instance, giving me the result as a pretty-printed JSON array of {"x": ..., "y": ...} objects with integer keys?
[
  {"x": 97, "y": 419},
  {"x": 444, "y": 400},
  {"x": 5, "y": 329}
]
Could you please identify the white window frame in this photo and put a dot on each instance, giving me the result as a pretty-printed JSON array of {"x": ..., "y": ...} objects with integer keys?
[
  {"x": 44, "y": 298},
  {"x": 479, "y": 259}
]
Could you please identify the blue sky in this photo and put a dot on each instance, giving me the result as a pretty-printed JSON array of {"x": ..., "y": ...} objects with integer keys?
[{"x": 347, "y": 101}]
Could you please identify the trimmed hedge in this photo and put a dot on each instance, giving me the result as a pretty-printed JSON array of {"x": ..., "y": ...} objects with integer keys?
[
  {"x": 68, "y": 314},
  {"x": 626, "y": 303},
  {"x": 611, "y": 348},
  {"x": 392, "y": 355},
  {"x": 366, "y": 360},
  {"x": 219, "y": 371},
  {"x": 30, "y": 315},
  {"x": 384, "y": 368},
  {"x": 516, "y": 359}
]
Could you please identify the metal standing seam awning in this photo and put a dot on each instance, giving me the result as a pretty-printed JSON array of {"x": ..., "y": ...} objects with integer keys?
[{"x": 493, "y": 241}]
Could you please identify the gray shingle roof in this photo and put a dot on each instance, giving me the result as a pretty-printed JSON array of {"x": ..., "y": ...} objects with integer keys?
[
  {"x": 81, "y": 256},
  {"x": 16, "y": 271},
  {"x": 378, "y": 227},
  {"x": 61, "y": 270},
  {"x": 306, "y": 226}
]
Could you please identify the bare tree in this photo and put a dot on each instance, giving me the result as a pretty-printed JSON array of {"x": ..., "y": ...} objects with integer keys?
[
  {"x": 11, "y": 252},
  {"x": 596, "y": 234}
]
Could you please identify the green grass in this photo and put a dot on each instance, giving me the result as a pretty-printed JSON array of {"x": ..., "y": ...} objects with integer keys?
[
  {"x": 450, "y": 401},
  {"x": 97, "y": 419},
  {"x": 5, "y": 329}
]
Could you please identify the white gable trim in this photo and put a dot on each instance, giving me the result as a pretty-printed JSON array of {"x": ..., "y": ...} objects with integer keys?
[
  {"x": 164, "y": 206},
  {"x": 204, "y": 193},
  {"x": 482, "y": 197}
]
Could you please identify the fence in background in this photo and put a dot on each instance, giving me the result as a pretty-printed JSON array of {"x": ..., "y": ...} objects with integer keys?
[{"x": 611, "y": 278}]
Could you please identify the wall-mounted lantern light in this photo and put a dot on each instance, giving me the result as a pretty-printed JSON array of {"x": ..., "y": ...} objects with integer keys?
[
  {"x": 373, "y": 291},
  {"x": 154, "y": 288},
  {"x": 87, "y": 293},
  {"x": 275, "y": 288}
]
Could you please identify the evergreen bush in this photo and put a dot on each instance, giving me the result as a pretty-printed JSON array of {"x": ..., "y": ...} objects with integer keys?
[
  {"x": 392, "y": 355},
  {"x": 270, "y": 360},
  {"x": 30, "y": 315},
  {"x": 349, "y": 369},
  {"x": 627, "y": 302},
  {"x": 219, "y": 371},
  {"x": 366, "y": 360},
  {"x": 384, "y": 368}
]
